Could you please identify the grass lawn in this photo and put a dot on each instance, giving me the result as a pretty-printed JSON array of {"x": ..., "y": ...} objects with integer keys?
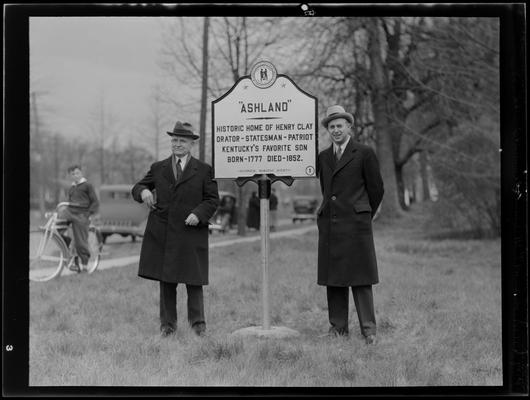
[{"x": 438, "y": 307}]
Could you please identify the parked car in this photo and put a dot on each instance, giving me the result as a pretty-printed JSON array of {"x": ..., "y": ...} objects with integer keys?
[
  {"x": 304, "y": 208},
  {"x": 119, "y": 213}
]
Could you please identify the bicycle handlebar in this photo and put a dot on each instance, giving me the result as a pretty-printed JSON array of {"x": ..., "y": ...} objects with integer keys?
[{"x": 65, "y": 203}]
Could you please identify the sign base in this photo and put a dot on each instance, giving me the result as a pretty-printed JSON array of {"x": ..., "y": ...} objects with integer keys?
[{"x": 274, "y": 332}]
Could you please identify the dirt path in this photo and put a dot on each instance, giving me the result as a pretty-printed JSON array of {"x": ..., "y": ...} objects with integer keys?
[{"x": 123, "y": 261}]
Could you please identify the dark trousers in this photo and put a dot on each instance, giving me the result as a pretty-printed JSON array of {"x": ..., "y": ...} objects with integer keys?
[
  {"x": 168, "y": 305},
  {"x": 338, "y": 308},
  {"x": 80, "y": 224}
]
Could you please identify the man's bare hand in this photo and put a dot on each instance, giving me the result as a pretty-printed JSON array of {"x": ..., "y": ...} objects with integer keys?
[
  {"x": 192, "y": 220},
  {"x": 147, "y": 198}
]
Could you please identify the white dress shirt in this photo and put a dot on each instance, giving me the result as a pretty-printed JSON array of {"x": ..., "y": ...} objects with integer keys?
[
  {"x": 342, "y": 146},
  {"x": 83, "y": 179},
  {"x": 183, "y": 161}
]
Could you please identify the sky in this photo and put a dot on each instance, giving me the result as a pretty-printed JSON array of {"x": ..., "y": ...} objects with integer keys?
[{"x": 77, "y": 61}]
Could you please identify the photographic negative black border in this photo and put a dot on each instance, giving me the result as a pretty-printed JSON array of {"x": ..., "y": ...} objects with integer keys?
[{"x": 15, "y": 334}]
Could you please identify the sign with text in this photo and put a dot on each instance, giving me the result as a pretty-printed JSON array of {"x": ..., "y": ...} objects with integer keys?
[{"x": 259, "y": 127}]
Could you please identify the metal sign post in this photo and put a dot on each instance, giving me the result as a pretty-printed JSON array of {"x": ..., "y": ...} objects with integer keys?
[
  {"x": 264, "y": 183},
  {"x": 264, "y": 188}
]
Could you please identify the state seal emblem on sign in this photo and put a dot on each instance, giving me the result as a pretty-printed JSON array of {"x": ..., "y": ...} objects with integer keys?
[{"x": 263, "y": 74}]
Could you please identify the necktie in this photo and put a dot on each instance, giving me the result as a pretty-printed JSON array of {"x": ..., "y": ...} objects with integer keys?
[
  {"x": 338, "y": 154},
  {"x": 179, "y": 169}
]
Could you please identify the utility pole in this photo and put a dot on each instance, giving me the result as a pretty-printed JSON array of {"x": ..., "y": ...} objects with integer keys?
[
  {"x": 102, "y": 141},
  {"x": 39, "y": 153},
  {"x": 202, "y": 123},
  {"x": 56, "y": 171},
  {"x": 155, "y": 104}
]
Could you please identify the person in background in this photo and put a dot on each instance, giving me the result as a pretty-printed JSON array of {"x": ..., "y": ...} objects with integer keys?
[
  {"x": 83, "y": 203},
  {"x": 273, "y": 205},
  {"x": 352, "y": 190},
  {"x": 253, "y": 213},
  {"x": 226, "y": 209},
  {"x": 175, "y": 244}
]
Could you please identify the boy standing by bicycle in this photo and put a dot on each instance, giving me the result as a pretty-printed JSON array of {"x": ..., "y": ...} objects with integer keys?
[{"x": 83, "y": 203}]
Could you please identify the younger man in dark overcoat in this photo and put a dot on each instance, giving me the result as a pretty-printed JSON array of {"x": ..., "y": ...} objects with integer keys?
[{"x": 352, "y": 189}]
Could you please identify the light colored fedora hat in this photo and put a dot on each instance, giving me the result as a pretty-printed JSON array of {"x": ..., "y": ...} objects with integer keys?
[{"x": 335, "y": 112}]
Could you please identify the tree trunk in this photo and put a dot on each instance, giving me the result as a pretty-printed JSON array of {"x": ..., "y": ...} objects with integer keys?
[
  {"x": 56, "y": 172},
  {"x": 241, "y": 217},
  {"x": 131, "y": 160},
  {"x": 101, "y": 164},
  {"x": 157, "y": 145},
  {"x": 102, "y": 141},
  {"x": 202, "y": 123},
  {"x": 390, "y": 207},
  {"x": 40, "y": 157},
  {"x": 426, "y": 193},
  {"x": 401, "y": 187},
  {"x": 112, "y": 166},
  {"x": 497, "y": 224}
]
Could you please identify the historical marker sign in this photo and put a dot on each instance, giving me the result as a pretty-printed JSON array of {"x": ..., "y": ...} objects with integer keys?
[{"x": 265, "y": 124}]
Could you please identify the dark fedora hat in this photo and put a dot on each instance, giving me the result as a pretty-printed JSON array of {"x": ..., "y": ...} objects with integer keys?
[
  {"x": 183, "y": 129},
  {"x": 335, "y": 112}
]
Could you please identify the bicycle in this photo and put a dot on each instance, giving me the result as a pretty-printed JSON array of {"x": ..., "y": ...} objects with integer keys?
[{"x": 51, "y": 247}]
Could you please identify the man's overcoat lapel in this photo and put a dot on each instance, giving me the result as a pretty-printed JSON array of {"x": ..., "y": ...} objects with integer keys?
[
  {"x": 167, "y": 172},
  {"x": 346, "y": 252},
  {"x": 189, "y": 171},
  {"x": 347, "y": 156},
  {"x": 329, "y": 158}
]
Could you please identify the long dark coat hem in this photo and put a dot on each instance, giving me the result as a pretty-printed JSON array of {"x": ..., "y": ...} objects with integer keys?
[
  {"x": 172, "y": 251},
  {"x": 352, "y": 189}
]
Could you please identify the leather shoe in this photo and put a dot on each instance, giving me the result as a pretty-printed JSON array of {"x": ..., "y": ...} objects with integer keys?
[
  {"x": 74, "y": 267},
  {"x": 165, "y": 332},
  {"x": 334, "y": 332},
  {"x": 370, "y": 339},
  {"x": 338, "y": 332},
  {"x": 199, "y": 329}
]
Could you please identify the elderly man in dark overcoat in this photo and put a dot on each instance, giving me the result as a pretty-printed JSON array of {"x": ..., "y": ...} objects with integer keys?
[
  {"x": 182, "y": 196},
  {"x": 352, "y": 190}
]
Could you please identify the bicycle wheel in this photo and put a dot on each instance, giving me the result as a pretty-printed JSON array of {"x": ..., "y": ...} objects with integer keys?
[
  {"x": 47, "y": 255},
  {"x": 95, "y": 244}
]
